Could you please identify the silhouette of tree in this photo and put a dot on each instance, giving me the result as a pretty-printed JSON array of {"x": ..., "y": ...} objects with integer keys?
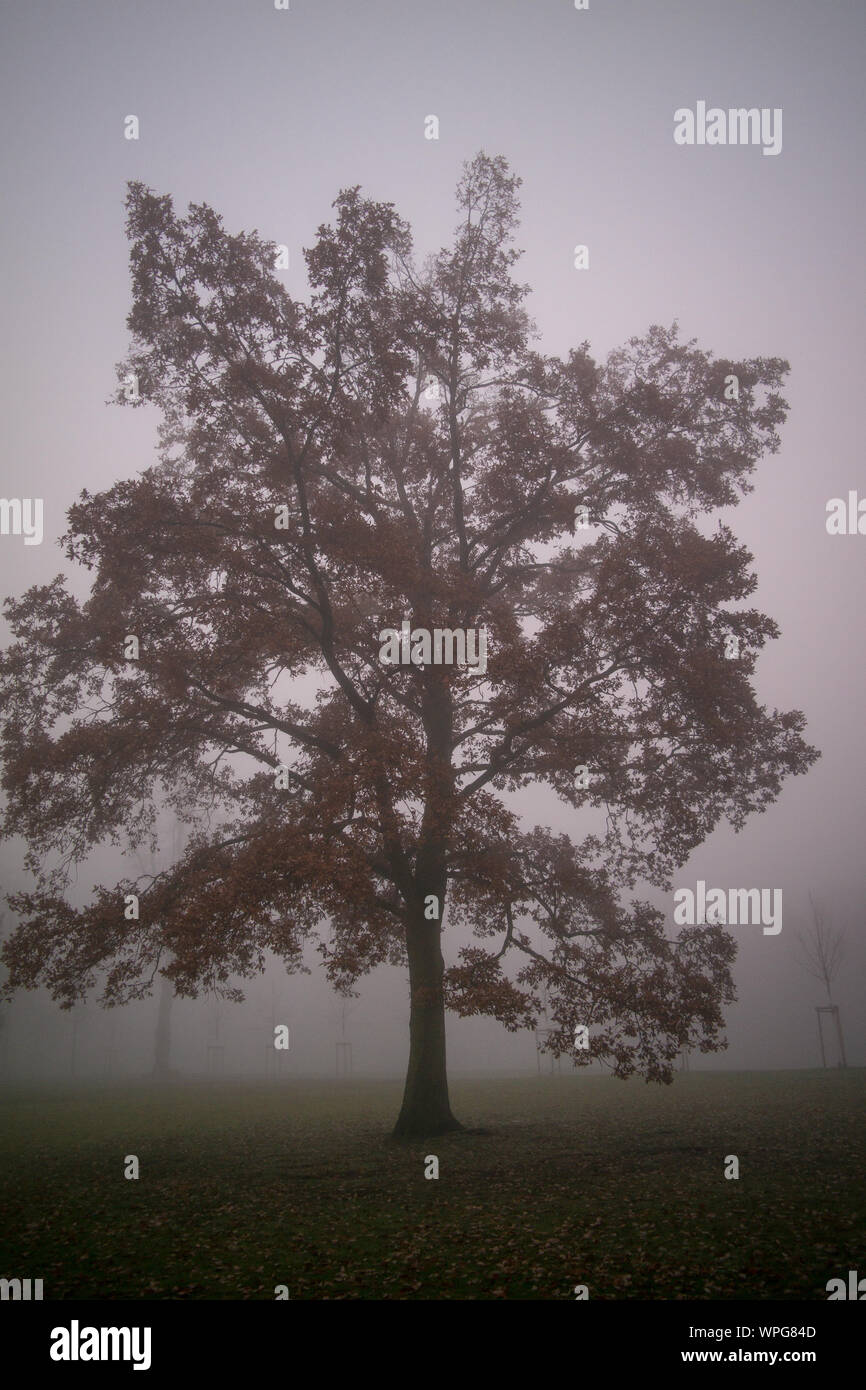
[
  {"x": 822, "y": 948},
  {"x": 395, "y": 449},
  {"x": 148, "y": 867}
]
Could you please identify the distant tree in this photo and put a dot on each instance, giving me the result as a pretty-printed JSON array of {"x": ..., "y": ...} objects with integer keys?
[
  {"x": 395, "y": 447},
  {"x": 148, "y": 868},
  {"x": 822, "y": 948},
  {"x": 4, "y": 1021}
]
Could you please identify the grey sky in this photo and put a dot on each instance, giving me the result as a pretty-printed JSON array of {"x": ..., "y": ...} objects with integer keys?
[{"x": 266, "y": 114}]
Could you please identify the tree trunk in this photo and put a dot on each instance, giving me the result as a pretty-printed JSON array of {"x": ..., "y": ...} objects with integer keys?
[
  {"x": 162, "y": 1048},
  {"x": 426, "y": 1110}
]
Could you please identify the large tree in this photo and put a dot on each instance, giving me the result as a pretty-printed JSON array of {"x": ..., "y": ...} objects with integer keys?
[{"x": 393, "y": 448}]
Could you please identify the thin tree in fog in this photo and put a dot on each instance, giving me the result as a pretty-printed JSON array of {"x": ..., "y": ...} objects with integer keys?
[
  {"x": 823, "y": 948},
  {"x": 4, "y": 1006},
  {"x": 395, "y": 448},
  {"x": 344, "y": 1047},
  {"x": 149, "y": 866}
]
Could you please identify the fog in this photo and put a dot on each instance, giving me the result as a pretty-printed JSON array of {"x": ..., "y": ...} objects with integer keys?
[{"x": 265, "y": 115}]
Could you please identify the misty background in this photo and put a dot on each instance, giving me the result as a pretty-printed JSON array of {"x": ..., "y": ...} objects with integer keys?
[{"x": 265, "y": 115}]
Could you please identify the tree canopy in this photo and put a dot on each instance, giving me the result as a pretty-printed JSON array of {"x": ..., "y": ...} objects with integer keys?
[{"x": 394, "y": 448}]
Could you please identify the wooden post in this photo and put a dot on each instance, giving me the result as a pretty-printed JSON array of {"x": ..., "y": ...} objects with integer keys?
[
  {"x": 833, "y": 1011},
  {"x": 844, "y": 1061},
  {"x": 344, "y": 1059}
]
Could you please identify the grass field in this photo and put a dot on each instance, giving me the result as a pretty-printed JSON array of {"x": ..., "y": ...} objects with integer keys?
[{"x": 564, "y": 1180}]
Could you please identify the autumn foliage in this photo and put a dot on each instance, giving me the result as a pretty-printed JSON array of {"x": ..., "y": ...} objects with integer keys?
[{"x": 425, "y": 463}]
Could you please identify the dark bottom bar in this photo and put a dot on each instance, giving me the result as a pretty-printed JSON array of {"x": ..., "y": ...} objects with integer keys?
[{"x": 153, "y": 1338}]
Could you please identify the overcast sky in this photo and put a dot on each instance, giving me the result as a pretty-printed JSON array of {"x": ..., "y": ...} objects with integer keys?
[{"x": 266, "y": 114}]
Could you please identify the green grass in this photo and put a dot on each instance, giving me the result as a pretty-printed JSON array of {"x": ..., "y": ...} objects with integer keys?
[{"x": 572, "y": 1179}]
